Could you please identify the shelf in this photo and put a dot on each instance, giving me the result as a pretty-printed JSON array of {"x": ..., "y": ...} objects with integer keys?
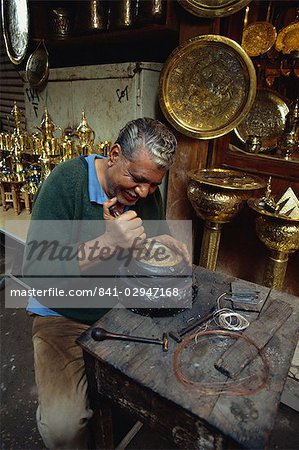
[
  {"x": 151, "y": 42},
  {"x": 261, "y": 164}
]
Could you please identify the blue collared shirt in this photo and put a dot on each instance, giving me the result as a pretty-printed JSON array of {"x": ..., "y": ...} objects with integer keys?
[{"x": 96, "y": 194}]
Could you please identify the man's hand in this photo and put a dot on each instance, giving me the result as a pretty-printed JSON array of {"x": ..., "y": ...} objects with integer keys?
[
  {"x": 125, "y": 231},
  {"x": 175, "y": 245}
]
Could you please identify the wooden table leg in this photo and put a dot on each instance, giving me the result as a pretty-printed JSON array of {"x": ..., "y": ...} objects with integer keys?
[
  {"x": 101, "y": 426},
  {"x": 2, "y": 190},
  {"x": 16, "y": 199},
  {"x": 27, "y": 201}
]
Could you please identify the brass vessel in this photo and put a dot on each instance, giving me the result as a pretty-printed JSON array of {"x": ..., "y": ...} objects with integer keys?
[
  {"x": 217, "y": 195},
  {"x": 280, "y": 234}
]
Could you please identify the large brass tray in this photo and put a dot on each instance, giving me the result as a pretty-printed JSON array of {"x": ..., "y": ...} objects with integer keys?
[
  {"x": 213, "y": 8},
  {"x": 15, "y": 25},
  {"x": 207, "y": 86},
  {"x": 266, "y": 119}
]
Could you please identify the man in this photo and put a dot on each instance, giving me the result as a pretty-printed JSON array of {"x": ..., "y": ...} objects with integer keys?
[{"x": 87, "y": 189}]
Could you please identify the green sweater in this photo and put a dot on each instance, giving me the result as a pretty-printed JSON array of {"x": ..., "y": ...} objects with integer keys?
[{"x": 64, "y": 197}]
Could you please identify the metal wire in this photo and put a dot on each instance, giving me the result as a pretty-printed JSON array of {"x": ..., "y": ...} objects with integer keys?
[{"x": 233, "y": 387}]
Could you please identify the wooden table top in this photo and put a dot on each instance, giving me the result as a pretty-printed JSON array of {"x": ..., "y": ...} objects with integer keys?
[
  {"x": 15, "y": 226},
  {"x": 247, "y": 419}
]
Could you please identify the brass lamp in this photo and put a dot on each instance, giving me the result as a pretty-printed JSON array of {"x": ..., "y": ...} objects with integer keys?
[{"x": 217, "y": 195}]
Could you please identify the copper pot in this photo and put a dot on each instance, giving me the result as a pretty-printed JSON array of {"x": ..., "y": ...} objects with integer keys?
[
  {"x": 61, "y": 22},
  {"x": 91, "y": 16},
  {"x": 150, "y": 11},
  {"x": 122, "y": 14}
]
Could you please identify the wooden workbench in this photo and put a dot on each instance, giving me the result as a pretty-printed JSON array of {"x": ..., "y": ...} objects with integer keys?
[{"x": 140, "y": 377}]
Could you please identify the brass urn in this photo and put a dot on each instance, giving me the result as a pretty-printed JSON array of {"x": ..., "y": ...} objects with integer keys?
[
  {"x": 217, "y": 195},
  {"x": 280, "y": 234}
]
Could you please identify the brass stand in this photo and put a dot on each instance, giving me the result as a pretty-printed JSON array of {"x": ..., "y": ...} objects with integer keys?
[
  {"x": 217, "y": 195},
  {"x": 280, "y": 234},
  {"x": 210, "y": 245}
]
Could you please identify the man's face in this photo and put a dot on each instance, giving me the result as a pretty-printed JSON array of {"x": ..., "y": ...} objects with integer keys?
[{"x": 131, "y": 180}]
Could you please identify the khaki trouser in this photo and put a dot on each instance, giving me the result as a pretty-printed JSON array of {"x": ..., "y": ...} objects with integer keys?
[{"x": 63, "y": 410}]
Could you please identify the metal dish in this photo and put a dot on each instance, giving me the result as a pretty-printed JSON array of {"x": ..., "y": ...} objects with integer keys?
[
  {"x": 15, "y": 25},
  {"x": 266, "y": 119},
  {"x": 288, "y": 39},
  {"x": 258, "y": 38},
  {"x": 213, "y": 8},
  {"x": 37, "y": 67},
  {"x": 226, "y": 179},
  {"x": 207, "y": 86}
]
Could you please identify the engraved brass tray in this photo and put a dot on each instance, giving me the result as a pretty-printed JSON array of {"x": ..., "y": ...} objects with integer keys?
[
  {"x": 227, "y": 179},
  {"x": 15, "y": 25},
  {"x": 213, "y": 8},
  {"x": 207, "y": 86},
  {"x": 266, "y": 119},
  {"x": 258, "y": 38},
  {"x": 288, "y": 39}
]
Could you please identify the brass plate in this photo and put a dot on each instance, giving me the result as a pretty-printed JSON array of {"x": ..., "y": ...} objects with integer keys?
[
  {"x": 266, "y": 119},
  {"x": 207, "y": 86},
  {"x": 227, "y": 179},
  {"x": 288, "y": 39},
  {"x": 15, "y": 25},
  {"x": 253, "y": 204},
  {"x": 258, "y": 38},
  {"x": 213, "y": 8},
  {"x": 37, "y": 67}
]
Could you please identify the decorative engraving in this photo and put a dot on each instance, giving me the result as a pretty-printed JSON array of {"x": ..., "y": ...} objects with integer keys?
[
  {"x": 207, "y": 85},
  {"x": 266, "y": 119},
  {"x": 288, "y": 39},
  {"x": 258, "y": 38}
]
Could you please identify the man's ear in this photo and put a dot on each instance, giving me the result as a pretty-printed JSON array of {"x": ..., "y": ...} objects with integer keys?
[{"x": 114, "y": 154}]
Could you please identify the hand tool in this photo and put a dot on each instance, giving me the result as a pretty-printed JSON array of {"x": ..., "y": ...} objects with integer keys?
[
  {"x": 99, "y": 334},
  {"x": 114, "y": 211},
  {"x": 178, "y": 335}
]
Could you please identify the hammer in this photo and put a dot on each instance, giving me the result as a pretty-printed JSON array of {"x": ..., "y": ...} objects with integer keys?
[{"x": 99, "y": 334}]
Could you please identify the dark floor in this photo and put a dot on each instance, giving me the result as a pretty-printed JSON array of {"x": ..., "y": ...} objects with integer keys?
[{"x": 18, "y": 395}]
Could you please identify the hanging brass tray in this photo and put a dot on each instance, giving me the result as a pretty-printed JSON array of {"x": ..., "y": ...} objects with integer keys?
[
  {"x": 213, "y": 8},
  {"x": 258, "y": 38},
  {"x": 266, "y": 119},
  {"x": 288, "y": 39},
  {"x": 15, "y": 25},
  {"x": 207, "y": 86}
]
